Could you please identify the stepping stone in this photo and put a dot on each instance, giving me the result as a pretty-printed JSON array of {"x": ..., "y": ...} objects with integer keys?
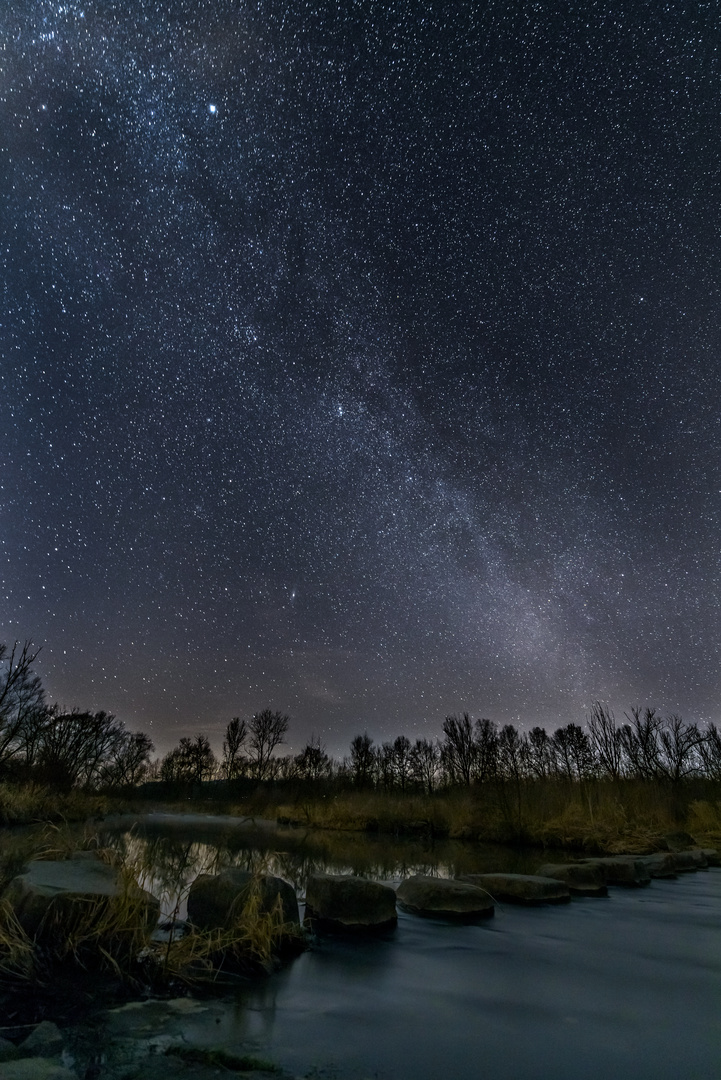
[
  {"x": 442, "y": 898},
  {"x": 626, "y": 870},
  {"x": 690, "y": 860},
  {"x": 582, "y": 879},
  {"x": 215, "y": 899},
  {"x": 342, "y": 902},
  {"x": 521, "y": 888},
  {"x": 662, "y": 864}
]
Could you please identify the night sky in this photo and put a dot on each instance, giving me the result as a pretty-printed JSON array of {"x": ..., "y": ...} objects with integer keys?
[{"x": 362, "y": 360}]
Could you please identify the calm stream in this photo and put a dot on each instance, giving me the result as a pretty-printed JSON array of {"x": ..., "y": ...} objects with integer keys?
[{"x": 621, "y": 987}]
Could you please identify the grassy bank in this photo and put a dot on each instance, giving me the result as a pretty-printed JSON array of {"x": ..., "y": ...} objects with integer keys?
[
  {"x": 599, "y": 816},
  {"x": 592, "y": 815}
]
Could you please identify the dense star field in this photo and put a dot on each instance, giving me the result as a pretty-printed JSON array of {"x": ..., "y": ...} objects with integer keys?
[{"x": 361, "y": 360}]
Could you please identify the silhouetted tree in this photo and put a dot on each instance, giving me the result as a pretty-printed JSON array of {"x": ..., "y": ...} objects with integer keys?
[
  {"x": 362, "y": 760},
  {"x": 572, "y": 752},
  {"x": 458, "y": 749},
  {"x": 191, "y": 762},
  {"x": 128, "y": 763},
  {"x": 313, "y": 763},
  {"x": 710, "y": 752},
  {"x": 266, "y": 730},
  {"x": 75, "y": 746},
  {"x": 402, "y": 762},
  {"x": 680, "y": 747},
  {"x": 425, "y": 762},
  {"x": 606, "y": 741},
  {"x": 486, "y": 740},
  {"x": 640, "y": 741},
  {"x": 21, "y": 699},
  {"x": 540, "y": 753},
  {"x": 235, "y": 763},
  {"x": 385, "y": 766}
]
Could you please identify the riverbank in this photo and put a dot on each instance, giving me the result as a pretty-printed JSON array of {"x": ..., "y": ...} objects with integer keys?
[{"x": 595, "y": 816}]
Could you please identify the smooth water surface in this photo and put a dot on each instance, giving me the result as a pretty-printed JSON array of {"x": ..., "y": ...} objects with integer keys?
[{"x": 629, "y": 986}]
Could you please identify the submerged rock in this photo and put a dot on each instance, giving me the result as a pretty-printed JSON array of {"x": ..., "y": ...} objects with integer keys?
[
  {"x": 349, "y": 903},
  {"x": 442, "y": 898},
  {"x": 521, "y": 888},
  {"x": 215, "y": 899},
  {"x": 582, "y": 879},
  {"x": 52, "y": 895}
]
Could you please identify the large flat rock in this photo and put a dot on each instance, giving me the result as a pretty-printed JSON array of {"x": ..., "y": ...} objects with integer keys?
[
  {"x": 59, "y": 891},
  {"x": 343, "y": 902},
  {"x": 521, "y": 888},
  {"x": 441, "y": 898}
]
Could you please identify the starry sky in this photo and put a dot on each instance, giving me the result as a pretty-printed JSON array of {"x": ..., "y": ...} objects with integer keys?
[{"x": 360, "y": 359}]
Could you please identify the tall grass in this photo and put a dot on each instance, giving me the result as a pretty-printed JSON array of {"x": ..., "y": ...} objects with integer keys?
[
  {"x": 114, "y": 935},
  {"x": 24, "y": 804},
  {"x": 595, "y": 815}
]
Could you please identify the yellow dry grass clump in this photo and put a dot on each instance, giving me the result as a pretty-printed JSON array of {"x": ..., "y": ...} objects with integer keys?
[{"x": 114, "y": 934}]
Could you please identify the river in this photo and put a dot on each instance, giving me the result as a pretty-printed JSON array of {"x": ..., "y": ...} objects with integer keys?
[{"x": 628, "y": 986}]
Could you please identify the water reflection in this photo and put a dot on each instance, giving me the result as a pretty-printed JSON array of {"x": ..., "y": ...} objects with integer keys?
[{"x": 167, "y": 854}]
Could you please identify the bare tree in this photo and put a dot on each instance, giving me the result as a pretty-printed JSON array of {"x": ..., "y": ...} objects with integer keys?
[
  {"x": 385, "y": 766},
  {"x": 486, "y": 740},
  {"x": 540, "y": 753},
  {"x": 402, "y": 762},
  {"x": 75, "y": 746},
  {"x": 235, "y": 763},
  {"x": 21, "y": 698},
  {"x": 680, "y": 744},
  {"x": 606, "y": 741},
  {"x": 425, "y": 762},
  {"x": 266, "y": 730},
  {"x": 458, "y": 749},
  {"x": 191, "y": 762},
  {"x": 640, "y": 741},
  {"x": 129, "y": 762},
  {"x": 362, "y": 760},
  {"x": 313, "y": 763},
  {"x": 572, "y": 752},
  {"x": 512, "y": 753},
  {"x": 710, "y": 751}
]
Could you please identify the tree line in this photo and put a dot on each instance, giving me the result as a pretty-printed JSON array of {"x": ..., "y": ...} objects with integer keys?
[
  {"x": 94, "y": 750},
  {"x": 646, "y": 746}
]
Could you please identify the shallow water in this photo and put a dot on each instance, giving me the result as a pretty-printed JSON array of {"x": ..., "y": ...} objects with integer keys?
[{"x": 624, "y": 987}]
